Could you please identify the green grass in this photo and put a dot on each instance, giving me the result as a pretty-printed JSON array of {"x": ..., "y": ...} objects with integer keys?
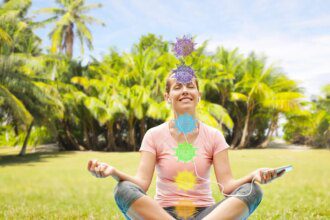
[{"x": 58, "y": 186}]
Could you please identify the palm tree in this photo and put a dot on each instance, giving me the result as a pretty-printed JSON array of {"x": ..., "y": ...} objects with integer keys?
[
  {"x": 70, "y": 20},
  {"x": 285, "y": 98},
  {"x": 16, "y": 30},
  {"x": 104, "y": 103},
  {"x": 143, "y": 76},
  {"x": 311, "y": 126},
  {"x": 23, "y": 95},
  {"x": 212, "y": 79},
  {"x": 4, "y": 37},
  {"x": 254, "y": 89},
  {"x": 25, "y": 98}
]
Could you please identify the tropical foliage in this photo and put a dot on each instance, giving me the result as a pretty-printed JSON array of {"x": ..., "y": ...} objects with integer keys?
[
  {"x": 313, "y": 127},
  {"x": 108, "y": 104}
]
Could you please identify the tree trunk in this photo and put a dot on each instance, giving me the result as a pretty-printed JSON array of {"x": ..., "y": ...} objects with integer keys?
[
  {"x": 23, "y": 150},
  {"x": 94, "y": 139},
  {"x": 86, "y": 135},
  {"x": 71, "y": 138},
  {"x": 111, "y": 144},
  {"x": 237, "y": 134},
  {"x": 143, "y": 127},
  {"x": 251, "y": 129},
  {"x": 131, "y": 133},
  {"x": 223, "y": 96},
  {"x": 68, "y": 43},
  {"x": 245, "y": 129},
  {"x": 271, "y": 129}
]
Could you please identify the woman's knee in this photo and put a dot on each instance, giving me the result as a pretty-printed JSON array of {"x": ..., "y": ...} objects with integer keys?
[
  {"x": 126, "y": 193},
  {"x": 257, "y": 191},
  {"x": 122, "y": 188},
  {"x": 251, "y": 194},
  {"x": 255, "y": 197}
]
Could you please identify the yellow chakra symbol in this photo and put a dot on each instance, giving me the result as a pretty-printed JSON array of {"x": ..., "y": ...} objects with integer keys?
[
  {"x": 185, "y": 180},
  {"x": 185, "y": 209}
]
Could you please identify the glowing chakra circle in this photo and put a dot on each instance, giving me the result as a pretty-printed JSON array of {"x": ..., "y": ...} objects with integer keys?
[
  {"x": 184, "y": 74},
  {"x": 184, "y": 46},
  {"x": 185, "y": 152},
  {"x": 185, "y": 123},
  {"x": 185, "y": 180},
  {"x": 185, "y": 209}
]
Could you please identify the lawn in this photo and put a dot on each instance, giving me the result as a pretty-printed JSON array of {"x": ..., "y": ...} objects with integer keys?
[{"x": 58, "y": 186}]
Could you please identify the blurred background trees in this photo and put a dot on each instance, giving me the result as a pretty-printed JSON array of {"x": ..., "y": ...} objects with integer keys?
[{"x": 108, "y": 104}]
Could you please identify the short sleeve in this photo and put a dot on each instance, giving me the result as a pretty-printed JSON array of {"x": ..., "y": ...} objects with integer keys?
[
  {"x": 148, "y": 143},
  {"x": 220, "y": 143}
]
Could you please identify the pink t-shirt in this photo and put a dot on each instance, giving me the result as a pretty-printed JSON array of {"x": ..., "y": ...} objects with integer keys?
[{"x": 159, "y": 141}]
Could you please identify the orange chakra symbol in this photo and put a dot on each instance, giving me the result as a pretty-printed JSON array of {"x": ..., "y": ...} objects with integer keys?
[{"x": 185, "y": 209}]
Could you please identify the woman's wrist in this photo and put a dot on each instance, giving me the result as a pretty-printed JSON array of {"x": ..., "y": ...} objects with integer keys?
[
  {"x": 115, "y": 174},
  {"x": 252, "y": 176}
]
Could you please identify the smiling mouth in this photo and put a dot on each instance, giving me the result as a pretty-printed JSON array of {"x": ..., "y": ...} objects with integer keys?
[{"x": 185, "y": 98}]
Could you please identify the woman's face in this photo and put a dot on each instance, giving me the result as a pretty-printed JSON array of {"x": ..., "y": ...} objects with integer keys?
[{"x": 183, "y": 97}]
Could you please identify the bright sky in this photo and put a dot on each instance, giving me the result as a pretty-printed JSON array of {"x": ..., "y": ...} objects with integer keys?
[{"x": 293, "y": 34}]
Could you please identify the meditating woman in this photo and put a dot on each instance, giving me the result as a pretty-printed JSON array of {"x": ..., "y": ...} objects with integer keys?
[
  {"x": 183, "y": 186},
  {"x": 183, "y": 151}
]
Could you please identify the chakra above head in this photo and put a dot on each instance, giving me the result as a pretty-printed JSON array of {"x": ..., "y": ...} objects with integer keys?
[
  {"x": 185, "y": 180},
  {"x": 185, "y": 123},
  {"x": 185, "y": 152},
  {"x": 184, "y": 74},
  {"x": 183, "y": 46}
]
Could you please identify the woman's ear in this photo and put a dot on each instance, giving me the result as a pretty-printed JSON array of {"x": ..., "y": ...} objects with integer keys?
[
  {"x": 167, "y": 98},
  {"x": 199, "y": 97}
]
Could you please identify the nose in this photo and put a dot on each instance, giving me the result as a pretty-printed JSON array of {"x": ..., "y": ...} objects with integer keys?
[{"x": 184, "y": 88}]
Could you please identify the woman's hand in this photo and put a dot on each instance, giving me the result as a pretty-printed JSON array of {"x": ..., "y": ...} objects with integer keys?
[
  {"x": 99, "y": 169},
  {"x": 265, "y": 175}
]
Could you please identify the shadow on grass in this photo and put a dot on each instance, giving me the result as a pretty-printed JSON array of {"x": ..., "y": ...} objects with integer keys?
[{"x": 8, "y": 160}]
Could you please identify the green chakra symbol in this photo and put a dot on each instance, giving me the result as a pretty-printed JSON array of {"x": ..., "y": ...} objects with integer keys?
[{"x": 185, "y": 152}]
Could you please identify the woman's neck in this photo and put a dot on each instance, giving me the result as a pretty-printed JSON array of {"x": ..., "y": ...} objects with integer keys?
[
  {"x": 173, "y": 127},
  {"x": 178, "y": 113}
]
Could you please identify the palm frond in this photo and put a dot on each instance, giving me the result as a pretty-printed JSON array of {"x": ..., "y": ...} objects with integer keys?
[
  {"x": 17, "y": 108},
  {"x": 91, "y": 20},
  {"x": 89, "y": 7},
  {"x": 55, "y": 11}
]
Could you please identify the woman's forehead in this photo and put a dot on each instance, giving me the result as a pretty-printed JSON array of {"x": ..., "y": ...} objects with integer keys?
[{"x": 175, "y": 82}]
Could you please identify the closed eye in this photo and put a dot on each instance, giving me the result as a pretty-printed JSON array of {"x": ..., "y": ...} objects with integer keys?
[{"x": 178, "y": 86}]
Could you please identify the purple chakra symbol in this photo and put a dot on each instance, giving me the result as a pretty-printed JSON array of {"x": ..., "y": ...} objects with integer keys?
[
  {"x": 183, "y": 46},
  {"x": 184, "y": 74}
]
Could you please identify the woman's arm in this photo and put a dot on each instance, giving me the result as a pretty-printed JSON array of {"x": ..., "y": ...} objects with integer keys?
[
  {"x": 225, "y": 178},
  {"x": 224, "y": 175},
  {"x": 142, "y": 178}
]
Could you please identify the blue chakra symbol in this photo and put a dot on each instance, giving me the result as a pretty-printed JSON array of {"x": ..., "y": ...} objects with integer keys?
[{"x": 185, "y": 123}]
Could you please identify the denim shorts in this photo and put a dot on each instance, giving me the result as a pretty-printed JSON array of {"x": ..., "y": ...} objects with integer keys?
[{"x": 126, "y": 193}]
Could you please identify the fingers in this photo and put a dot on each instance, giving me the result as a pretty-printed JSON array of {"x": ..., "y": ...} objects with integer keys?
[
  {"x": 92, "y": 167},
  {"x": 268, "y": 175},
  {"x": 89, "y": 164},
  {"x": 102, "y": 168},
  {"x": 97, "y": 168},
  {"x": 92, "y": 164},
  {"x": 263, "y": 176}
]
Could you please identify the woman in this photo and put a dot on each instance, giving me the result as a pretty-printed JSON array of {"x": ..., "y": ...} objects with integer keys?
[{"x": 184, "y": 184}]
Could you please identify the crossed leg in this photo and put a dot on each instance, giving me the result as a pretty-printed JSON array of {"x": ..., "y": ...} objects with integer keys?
[
  {"x": 231, "y": 208},
  {"x": 144, "y": 207},
  {"x": 147, "y": 208}
]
